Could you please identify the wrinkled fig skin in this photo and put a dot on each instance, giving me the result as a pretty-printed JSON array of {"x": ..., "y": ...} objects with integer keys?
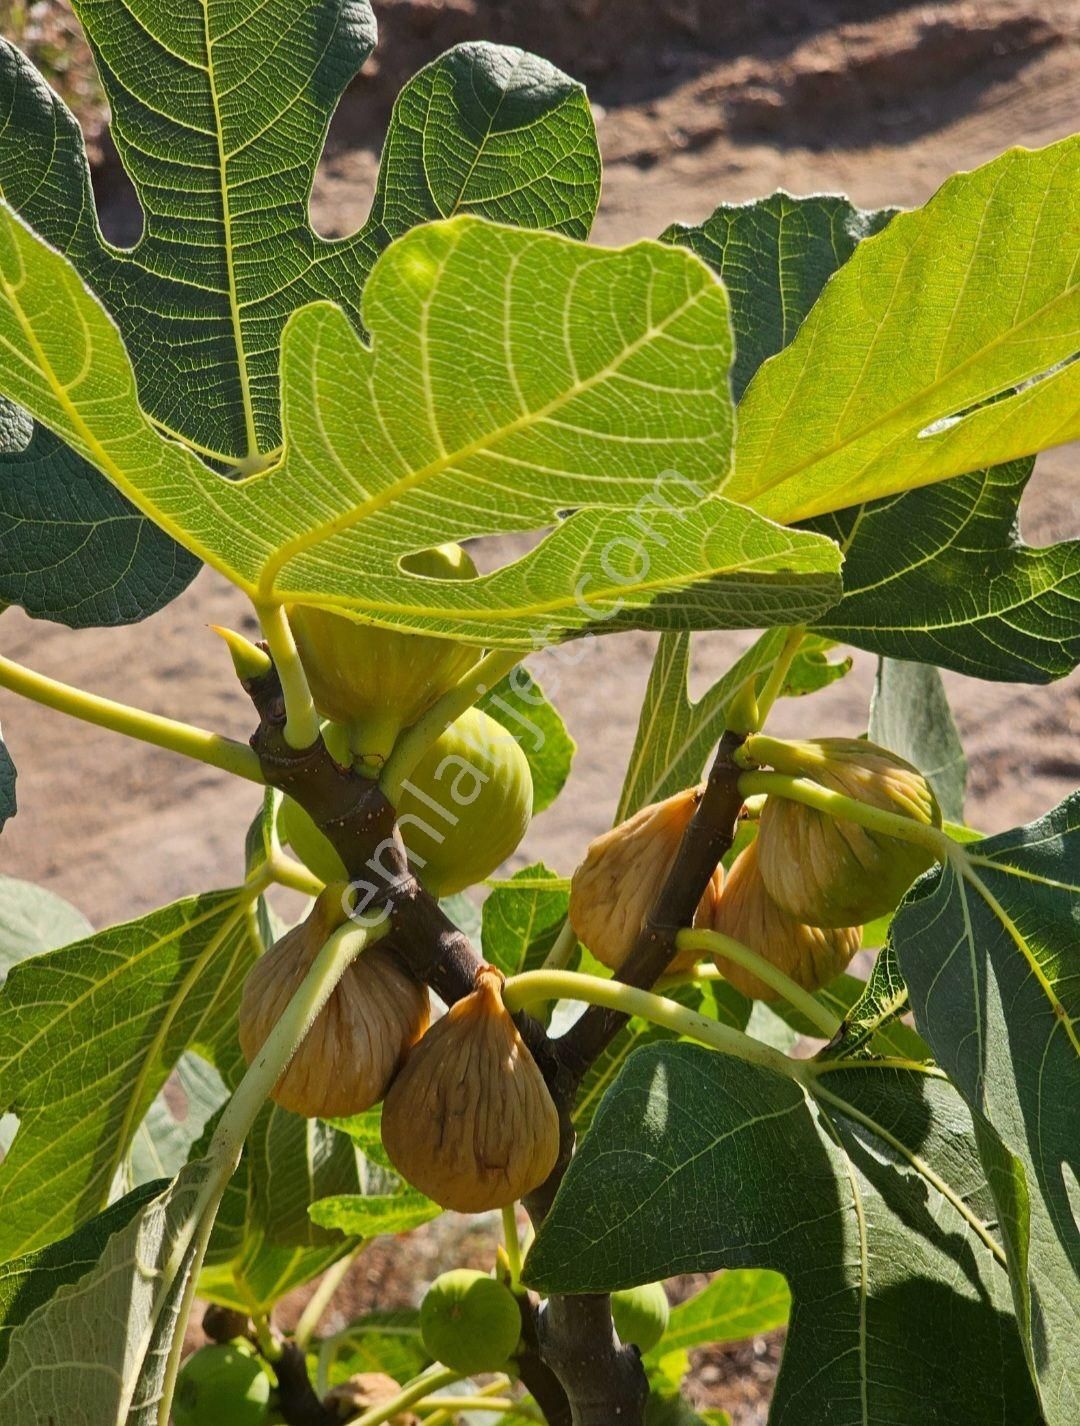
[
  {"x": 810, "y": 955},
  {"x": 615, "y": 886},
  {"x": 831, "y": 872},
  {"x": 349, "y": 1056},
  {"x": 469, "y": 1120},
  {"x": 359, "y": 673}
]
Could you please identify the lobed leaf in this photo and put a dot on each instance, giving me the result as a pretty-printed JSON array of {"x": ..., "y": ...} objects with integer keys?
[
  {"x": 947, "y": 341},
  {"x": 987, "y": 945},
  {"x": 597, "y": 372},
  {"x": 869, "y": 1199}
]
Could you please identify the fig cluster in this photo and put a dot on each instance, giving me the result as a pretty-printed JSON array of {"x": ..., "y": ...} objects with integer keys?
[{"x": 797, "y": 895}]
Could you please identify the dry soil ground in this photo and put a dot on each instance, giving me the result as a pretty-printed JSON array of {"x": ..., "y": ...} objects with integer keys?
[{"x": 699, "y": 103}]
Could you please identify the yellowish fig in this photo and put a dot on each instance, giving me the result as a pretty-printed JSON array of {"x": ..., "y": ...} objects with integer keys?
[
  {"x": 469, "y": 1120},
  {"x": 378, "y": 680},
  {"x": 346, "y": 1061},
  {"x": 464, "y": 808},
  {"x": 829, "y": 871},
  {"x": 624, "y": 869},
  {"x": 810, "y": 955}
]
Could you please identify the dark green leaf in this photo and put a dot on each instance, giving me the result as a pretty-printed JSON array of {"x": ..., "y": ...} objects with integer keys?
[
  {"x": 519, "y": 704},
  {"x": 774, "y": 256},
  {"x": 291, "y": 1161},
  {"x": 522, "y": 917},
  {"x": 943, "y": 576},
  {"x": 869, "y": 1199},
  {"x": 8, "y": 775},
  {"x": 988, "y": 947},
  {"x": 88, "y": 1036},
  {"x": 870, "y": 1013},
  {"x": 910, "y": 714}
]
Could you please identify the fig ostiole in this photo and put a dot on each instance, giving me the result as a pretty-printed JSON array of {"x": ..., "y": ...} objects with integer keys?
[
  {"x": 829, "y": 871},
  {"x": 469, "y": 1120},
  {"x": 624, "y": 869},
  {"x": 809, "y": 955},
  {"x": 347, "y": 1059},
  {"x": 462, "y": 811},
  {"x": 376, "y": 680},
  {"x": 470, "y": 1322},
  {"x": 641, "y": 1314}
]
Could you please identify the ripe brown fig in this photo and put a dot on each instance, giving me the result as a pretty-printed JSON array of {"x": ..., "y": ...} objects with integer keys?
[
  {"x": 349, "y": 1056},
  {"x": 831, "y": 872},
  {"x": 624, "y": 869},
  {"x": 746, "y": 912},
  {"x": 469, "y": 1120}
]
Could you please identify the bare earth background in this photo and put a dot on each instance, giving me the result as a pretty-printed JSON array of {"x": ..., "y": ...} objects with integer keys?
[{"x": 698, "y": 103}]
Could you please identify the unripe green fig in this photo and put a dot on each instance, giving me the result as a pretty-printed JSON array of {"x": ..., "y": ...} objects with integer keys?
[
  {"x": 828, "y": 871},
  {"x": 219, "y": 1385},
  {"x": 380, "y": 680},
  {"x": 470, "y": 1322},
  {"x": 641, "y": 1315},
  {"x": 464, "y": 808}
]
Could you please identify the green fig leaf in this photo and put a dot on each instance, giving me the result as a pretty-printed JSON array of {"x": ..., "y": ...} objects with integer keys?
[{"x": 910, "y": 714}]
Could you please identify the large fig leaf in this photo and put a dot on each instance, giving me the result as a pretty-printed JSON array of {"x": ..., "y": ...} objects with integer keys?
[
  {"x": 942, "y": 346},
  {"x": 988, "y": 946},
  {"x": 220, "y": 115},
  {"x": 595, "y": 373},
  {"x": 88, "y": 1036},
  {"x": 868, "y": 1197}
]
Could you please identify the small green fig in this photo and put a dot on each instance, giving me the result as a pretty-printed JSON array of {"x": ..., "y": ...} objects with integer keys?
[
  {"x": 464, "y": 808},
  {"x": 827, "y": 871},
  {"x": 381, "y": 680},
  {"x": 470, "y": 1322},
  {"x": 641, "y": 1315},
  {"x": 221, "y": 1384}
]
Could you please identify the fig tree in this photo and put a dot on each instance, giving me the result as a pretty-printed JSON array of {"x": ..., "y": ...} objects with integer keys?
[
  {"x": 470, "y": 1322},
  {"x": 828, "y": 871},
  {"x": 469, "y": 1120},
  {"x": 641, "y": 1315},
  {"x": 221, "y": 1384}
]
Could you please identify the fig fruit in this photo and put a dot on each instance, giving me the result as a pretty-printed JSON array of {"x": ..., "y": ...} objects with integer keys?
[
  {"x": 641, "y": 1315},
  {"x": 810, "y": 955},
  {"x": 381, "y": 680},
  {"x": 464, "y": 808},
  {"x": 466, "y": 805},
  {"x": 826, "y": 870},
  {"x": 346, "y": 1061},
  {"x": 470, "y": 1322},
  {"x": 624, "y": 869},
  {"x": 218, "y": 1384},
  {"x": 469, "y": 1120}
]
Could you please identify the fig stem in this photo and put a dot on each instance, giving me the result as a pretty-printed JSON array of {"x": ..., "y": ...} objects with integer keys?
[
  {"x": 562, "y": 948},
  {"x": 774, "y": 684},
  {"x": 533, "y": 985},
  {"x": 321, "y": 1298},
  {"x": 850, "y": 809},
  {"x": 415, "y": 741},
  {"x": 301, "y": 720},
  {"x": 433, "y": 1379},
  {"x": 288, "y": 872},
  {"x": 717, "y": 944},
  {"x": 184, "y": 738},
  {"x": 513, "y": 1243},
  {"x": 506, "y": 1404}
]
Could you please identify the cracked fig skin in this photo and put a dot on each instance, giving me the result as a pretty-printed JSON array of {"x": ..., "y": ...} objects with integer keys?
[
  {"x": 346, "y": 1061},
  {"x": 826, "y": 870},
  {"x": 469, "y": 1120},
  {"x": 623, "y": 871},
  {"x": 810, "y": 955}
]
